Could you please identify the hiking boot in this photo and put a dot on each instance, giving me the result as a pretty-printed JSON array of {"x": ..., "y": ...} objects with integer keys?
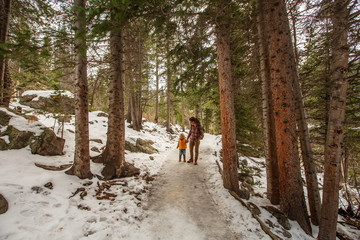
[
  {"x": 195, "y": 163},
  {"x": 190, "y": 160},
  {"x": 179, "y": 159},
  {"x": 184, "y": 160}
]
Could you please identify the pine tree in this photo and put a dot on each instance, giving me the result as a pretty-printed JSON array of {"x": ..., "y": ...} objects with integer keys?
[
  {"x": 335, "y": 134},
  {"x": 292, "y": 201},
  {"x": 81, "y": 166}
]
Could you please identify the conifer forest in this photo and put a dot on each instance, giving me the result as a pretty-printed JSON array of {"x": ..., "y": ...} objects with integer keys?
[{"x": 95, "y": 93}]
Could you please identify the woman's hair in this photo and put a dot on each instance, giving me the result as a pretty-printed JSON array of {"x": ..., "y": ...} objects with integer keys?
[{"x": 194, "y": 119}]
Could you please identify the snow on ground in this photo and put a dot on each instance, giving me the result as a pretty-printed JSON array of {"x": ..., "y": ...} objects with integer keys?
[{"x": 37, "y": 212}]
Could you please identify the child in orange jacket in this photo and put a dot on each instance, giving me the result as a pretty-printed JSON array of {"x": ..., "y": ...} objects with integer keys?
[{"x": 182, "y": 146}]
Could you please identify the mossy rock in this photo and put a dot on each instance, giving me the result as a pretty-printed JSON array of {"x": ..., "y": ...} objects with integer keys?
[
  {"x": 54, "y": 104},
  {"x": 4, "y": 118},
  {"x": 47, "y": 144},
  {"x": 3, "y": 145},
  {"x": 18, "y": 139}
]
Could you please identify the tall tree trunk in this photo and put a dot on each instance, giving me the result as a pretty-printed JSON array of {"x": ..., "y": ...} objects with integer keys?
[
  {"x": 335, "y": 134},
  {"x": 81, "y": 166},
  {"x": 307, "y": 155},
  {"x": 114, "y": 154},
  {"x": 230, "y": 160},
  {"x": 7, "y": 85},
  {"x": 157, "y": 88},
  {"x": 128, "y": 116},
  {"x": 272, "y": 169},
  {"x": 304, "y": 135},
  {"x": 5, "y": 8},
  {"x": 168, "y": 86},
  {"x": 292, "y": 200}
]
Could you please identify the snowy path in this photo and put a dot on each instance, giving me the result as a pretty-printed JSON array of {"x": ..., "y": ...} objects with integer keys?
[{"x": 180, "y": 206}]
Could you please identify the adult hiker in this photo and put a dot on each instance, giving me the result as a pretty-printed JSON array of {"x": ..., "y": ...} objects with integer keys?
[{"x": 196, "y": 134}]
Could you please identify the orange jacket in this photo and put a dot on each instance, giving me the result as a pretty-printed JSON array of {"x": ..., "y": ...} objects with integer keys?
[{"x": 182, "y": 143}]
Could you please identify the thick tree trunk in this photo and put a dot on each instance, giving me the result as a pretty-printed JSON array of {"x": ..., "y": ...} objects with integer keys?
[
  {"x": 81, "y": 166},
  {"x": 157, "y": 89},
  {"x": 230, "y": 160},
  {"x": 335, "y": 134},
  {"x": 5, "y": 8},
  {"x": 114, "y": 155},
  {"x": 292, "y": 200},
  {"x": 272, "y": 169}
]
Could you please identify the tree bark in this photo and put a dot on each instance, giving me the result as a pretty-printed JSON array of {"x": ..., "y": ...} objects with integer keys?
[
  {"x": 114, "y": 155},
  {"x": 81, "y": 166},
  {"x": 168, "y": 86},
  {"x": 5, "y": 8},
  {"x": 230, "y": 160},
  {"x": 183, "y": 114},
  {"x": 157, "y": 88},
  {"x": 272, "y": 169},
  {"x": 292, "y": 200},
  {"x": 304, "y": 135},
  {"x": 335, "y": 133},
  {"x": 7, "y": 85}
]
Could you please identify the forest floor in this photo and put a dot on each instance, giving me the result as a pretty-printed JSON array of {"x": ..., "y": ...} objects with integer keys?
[
  {"x": 180, "y": 204},
  {"x": 168, "y": 200}
]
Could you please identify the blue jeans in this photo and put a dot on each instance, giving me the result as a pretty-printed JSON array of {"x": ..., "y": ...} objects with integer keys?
[{"x": 182, "y": 152}]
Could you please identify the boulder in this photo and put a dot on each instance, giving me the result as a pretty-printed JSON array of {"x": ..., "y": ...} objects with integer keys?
[
  {"x": 280, "y": 216},
  {"x": 4, "y": 118},
  {"x": 145, "y": 146},
  {"x": 18, "y": 139},
  {"x": 3, "y": 145},
  {"x": 4, "y": 206},
  {"x": 47, "y": 144},
  {"x": 55, "y": 104}
]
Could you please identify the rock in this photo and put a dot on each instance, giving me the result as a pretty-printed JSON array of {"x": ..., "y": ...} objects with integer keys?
[
  {"x": 47, "y": 144},
  {"x": 130, "y": 147},
  {"x": 282, "y": 219},
  {"x": 128, "y": 170},
  {"x": 102, "y": 114},
  {"x": 55, "y": 104},
  {"x": 18, "y": 139},
  {"x": 4, "y": 118},
  {"x": 4, "y": 206},
  {"x": 151, "y": 157},
  {"x": 145, "y": 146},
  {"x": 249, "y": 180},
  {"x": 3, "y": 144},
  {"x": 95, "y": 149},
  {"x": 244, "y": 194},
  {"x": 96, "y": 140}
]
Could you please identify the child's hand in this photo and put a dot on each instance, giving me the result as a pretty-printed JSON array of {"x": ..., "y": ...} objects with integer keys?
[{"x": 177, "y": 147}]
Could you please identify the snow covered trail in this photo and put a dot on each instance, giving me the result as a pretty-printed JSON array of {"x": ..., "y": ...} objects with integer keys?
[{"x": 180, "y": 205}]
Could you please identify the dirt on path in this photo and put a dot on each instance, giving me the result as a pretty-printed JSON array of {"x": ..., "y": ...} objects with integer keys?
[{"x": 180, "y": 206}]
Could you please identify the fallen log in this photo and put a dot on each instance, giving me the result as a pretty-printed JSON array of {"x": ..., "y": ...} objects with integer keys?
[{"x": 53, "y": 168}]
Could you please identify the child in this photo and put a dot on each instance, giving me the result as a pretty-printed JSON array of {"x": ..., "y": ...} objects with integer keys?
[{"x": 182, "y": 146}]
